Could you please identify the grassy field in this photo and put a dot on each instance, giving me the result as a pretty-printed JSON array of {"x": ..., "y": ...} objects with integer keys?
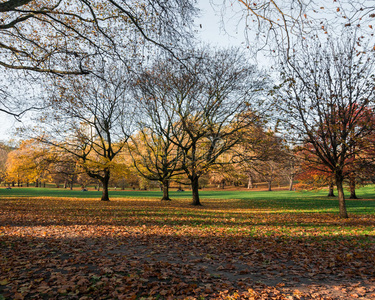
[
  {"x": 61, "y": 244},
  {"x": 287, "y": 201}
]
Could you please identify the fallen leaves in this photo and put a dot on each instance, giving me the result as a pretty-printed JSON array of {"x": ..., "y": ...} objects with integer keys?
[{"x": 84, "y": 249}]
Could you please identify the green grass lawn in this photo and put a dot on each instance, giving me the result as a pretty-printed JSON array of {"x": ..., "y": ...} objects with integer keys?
[{"x": 275, "y": 201}]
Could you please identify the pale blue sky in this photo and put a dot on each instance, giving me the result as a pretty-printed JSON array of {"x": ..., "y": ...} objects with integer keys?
[{"x": 210, "y": 32}]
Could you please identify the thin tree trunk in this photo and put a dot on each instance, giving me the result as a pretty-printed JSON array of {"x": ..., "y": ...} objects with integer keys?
[
  {"x": 165, "y": 188},
  {"x": 330, "y": 190},
  {"x": 250, "y": 184},
  {"x": 352, "y": 187},
  {"x": 195, "y": 190},
  {"x": 340, "y": 191},
  {"x": 269, "y": 185},
  {"x": 36, "y": 183},
  {"x": 105, "y": 182},
  {"x": 291, "y": 183}
]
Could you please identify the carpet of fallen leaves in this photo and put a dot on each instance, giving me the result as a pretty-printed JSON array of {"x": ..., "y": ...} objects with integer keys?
[{"x": 148, "y": 249}]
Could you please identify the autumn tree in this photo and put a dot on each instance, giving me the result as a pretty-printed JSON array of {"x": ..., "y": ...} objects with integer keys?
[
  {"x": 208, "y": 104},
  {"x": 4, "y": 151},
  {"x": 327, "y": 101},
  {"x": 90, "y": 120},
  {"x": 155, "y": 157},
  {"x": 29, "y": 163},
  {"x": 62, "y": 37},
  {"x": 261, "y": 153}
]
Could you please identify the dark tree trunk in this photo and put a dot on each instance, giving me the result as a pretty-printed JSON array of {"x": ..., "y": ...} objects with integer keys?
[
  {"x": 269, "y": 185},
  {"x": 330, "y": 190},
  {"x": 352, "y": 187},
  {"x": 105, "y": 182},
  {"x": 71, "y": 185},
  {"x": 37, "y": 183},
  {"x": 27, "y": 184},
  {"x": 340, "y": 191},
  {"x": 165, "y": 188},
  {"x": 195, "y": 189},
  {"x": 223, "y": 184}
]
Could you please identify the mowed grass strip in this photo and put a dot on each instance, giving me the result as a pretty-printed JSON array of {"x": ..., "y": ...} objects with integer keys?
[{"x": 274, "y": 201}]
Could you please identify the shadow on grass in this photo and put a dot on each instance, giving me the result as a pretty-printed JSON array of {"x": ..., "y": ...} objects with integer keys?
[{"x": 113, "y": 261}]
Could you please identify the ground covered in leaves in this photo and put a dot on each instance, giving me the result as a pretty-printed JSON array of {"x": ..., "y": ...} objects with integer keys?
[{"x": 147, "y": 249}]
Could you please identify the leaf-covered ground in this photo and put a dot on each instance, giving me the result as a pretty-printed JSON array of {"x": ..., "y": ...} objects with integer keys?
[{"x": 54, "y": 248}]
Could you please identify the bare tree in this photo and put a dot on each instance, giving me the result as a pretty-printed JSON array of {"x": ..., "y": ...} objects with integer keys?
[
  {"x": 327, "y": 100},
  {"x": 155, "y": 157},
  {"x": 62, "y": 37},
  {"x": 91, "y": 120},
  {"x": 208, "y": 104},
  {"x": 279, "y": 24}
]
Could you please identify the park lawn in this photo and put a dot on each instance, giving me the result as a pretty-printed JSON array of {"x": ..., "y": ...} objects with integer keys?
[
  {"x": 275, "y": 245},
  {"x": 288, "y": 201}
]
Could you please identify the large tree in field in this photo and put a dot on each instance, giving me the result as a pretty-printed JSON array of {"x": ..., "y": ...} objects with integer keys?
[
  {"x": 155, "y": 157},
  {"x": 91, "y": 120},
  {"x": 327, "y": 99},
  {"x": 208, "y": 103},
  {"x": 62, "y": 36}
]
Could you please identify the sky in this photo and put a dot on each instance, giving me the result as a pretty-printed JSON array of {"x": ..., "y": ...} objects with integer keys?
[{"x": 209, "y": 27}]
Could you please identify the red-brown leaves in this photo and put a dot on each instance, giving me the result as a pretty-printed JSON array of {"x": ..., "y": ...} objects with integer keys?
[{"x": 83, "y": 249}]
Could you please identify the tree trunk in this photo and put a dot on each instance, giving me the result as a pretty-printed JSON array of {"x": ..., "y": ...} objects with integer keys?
[
  {"x": 340, "y": 191},
  {"x": 330, "y": 190},
  {"x": 165, "y": 188},
  {"x": 105, "y": 182},
  {"x": 352, "y": 187},
  {"x": 250, "y": 184},
  {"x": 195, "y": 189},
  {"x": 291, "y": 183},
  {"x": 269, "y": 185},
  {"x": 71, "y": 185},
  {"x": 36, "y": 183}
]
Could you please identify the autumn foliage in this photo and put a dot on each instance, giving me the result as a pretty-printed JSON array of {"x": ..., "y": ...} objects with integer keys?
[{"x": 133, "y": 249}]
